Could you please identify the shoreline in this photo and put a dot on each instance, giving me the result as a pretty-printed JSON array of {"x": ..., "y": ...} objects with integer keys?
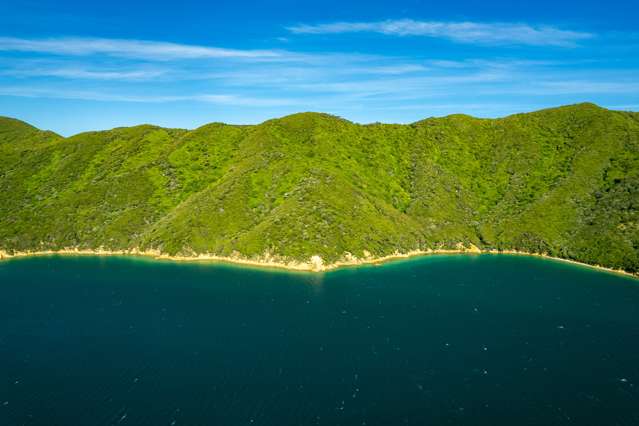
[{"x": 315, "y": 264}]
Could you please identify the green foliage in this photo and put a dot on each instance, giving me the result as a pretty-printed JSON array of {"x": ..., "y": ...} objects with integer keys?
[{"x": 563, "y": 181}]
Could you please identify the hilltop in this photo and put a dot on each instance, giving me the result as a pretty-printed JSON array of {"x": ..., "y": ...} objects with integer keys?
[{"x": 562, "y": 181}]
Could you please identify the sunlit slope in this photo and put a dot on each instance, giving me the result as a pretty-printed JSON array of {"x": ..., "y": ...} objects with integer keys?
[{"x": 563, "y": 181}]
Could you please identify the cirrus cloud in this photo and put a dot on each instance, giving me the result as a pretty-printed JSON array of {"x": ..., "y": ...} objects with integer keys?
[
  {"x": 125, "y": 48},
  {"x": 461, "y": 32}
]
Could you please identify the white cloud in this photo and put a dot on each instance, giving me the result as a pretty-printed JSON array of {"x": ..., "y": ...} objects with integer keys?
[
  {"x": 122, "y": 71},
  {"x": 104, "y": 96},
  {"x": 138, "y": 49},
  {"x": 414, "y": 86},
  {"x": 462, "y": 32},
  {"x": 390, "y": 69},
  {"x": 85, "y": 74}
]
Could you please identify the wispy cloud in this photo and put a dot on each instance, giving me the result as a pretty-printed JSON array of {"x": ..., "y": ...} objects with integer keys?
[
  {"x": 137, "y": 49},
  {"x": 461, "y": 32},
  {"x": 281, "y": 85},
  {"x": 412, "y": 85},
  {"x": 104, "y": 96},
  {"x": 85, "y": 74},
  {"x": 376, "y": 84}
]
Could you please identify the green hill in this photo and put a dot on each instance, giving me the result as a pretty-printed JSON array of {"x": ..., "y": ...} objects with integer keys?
[{"x": 562, "y": 181}]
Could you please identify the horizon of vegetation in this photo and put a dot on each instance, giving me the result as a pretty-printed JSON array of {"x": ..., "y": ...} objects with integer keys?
[
  {"x": 357, "y": 122},
  {"x": 562, "y": 181}
]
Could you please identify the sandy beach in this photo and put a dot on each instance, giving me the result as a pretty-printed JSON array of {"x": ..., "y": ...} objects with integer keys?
[{"x": 315, "y": 263}]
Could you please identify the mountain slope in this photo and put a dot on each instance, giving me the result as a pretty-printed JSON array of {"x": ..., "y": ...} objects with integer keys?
[{"x": 562, "y": 181}]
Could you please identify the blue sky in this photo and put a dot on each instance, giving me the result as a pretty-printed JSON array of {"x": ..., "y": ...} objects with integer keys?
[{"x": 72, "y": 66}]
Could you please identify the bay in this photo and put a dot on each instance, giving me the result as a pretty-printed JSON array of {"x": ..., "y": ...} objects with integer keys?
[{"x": 459, "y": 339}]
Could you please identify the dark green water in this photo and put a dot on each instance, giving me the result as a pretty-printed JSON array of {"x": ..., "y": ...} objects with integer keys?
[{"x": 460, "y": 340}]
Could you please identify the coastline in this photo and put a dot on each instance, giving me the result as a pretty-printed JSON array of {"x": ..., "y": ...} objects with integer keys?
[{"x": 315, "y": 264}]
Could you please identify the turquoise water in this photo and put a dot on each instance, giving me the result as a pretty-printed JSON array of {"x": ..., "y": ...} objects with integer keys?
[{"x": 459, "y": 340}]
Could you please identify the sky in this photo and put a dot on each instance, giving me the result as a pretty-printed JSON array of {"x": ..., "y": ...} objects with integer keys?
[{"x": 72, "y": 66}]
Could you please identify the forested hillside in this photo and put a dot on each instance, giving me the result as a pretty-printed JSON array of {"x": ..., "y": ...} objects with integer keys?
[{"x": 562, "y": 181}]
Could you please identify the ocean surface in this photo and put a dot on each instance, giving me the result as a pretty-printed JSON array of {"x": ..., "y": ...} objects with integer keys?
[{"x": 440, "y": 340}]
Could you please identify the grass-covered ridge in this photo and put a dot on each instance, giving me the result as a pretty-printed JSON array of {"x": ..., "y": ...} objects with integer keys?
[{"x": 561, "y": 181}]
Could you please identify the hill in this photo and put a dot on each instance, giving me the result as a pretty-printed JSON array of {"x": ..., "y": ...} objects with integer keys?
[{"x": 561, "y": 181}]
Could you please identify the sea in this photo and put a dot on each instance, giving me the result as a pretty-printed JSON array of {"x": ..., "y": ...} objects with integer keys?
[{"x": 436, "y": 340}]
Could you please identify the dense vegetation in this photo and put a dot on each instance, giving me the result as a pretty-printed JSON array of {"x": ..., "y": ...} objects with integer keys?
[{"x": 562, "y": 181}]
